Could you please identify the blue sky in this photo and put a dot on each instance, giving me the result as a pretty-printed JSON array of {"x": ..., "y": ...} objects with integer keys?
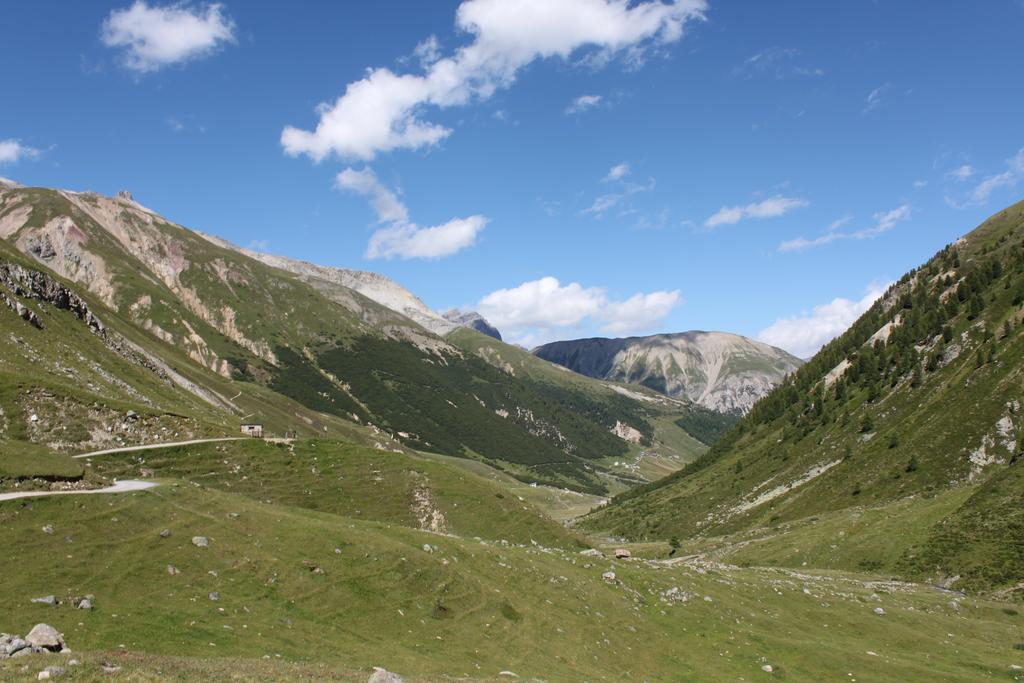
[{"x": 569, "y": 167}]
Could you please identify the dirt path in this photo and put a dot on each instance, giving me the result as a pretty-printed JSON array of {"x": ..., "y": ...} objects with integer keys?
[
  {"x": 123, "y": 486},
  {"x": 129, "y": 449}
]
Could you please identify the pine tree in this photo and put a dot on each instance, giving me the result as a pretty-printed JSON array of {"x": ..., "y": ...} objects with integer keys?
[
  {"x": 867, "y": 424},
  {"x": 976, "y": 307},
  {"x": 915, "y": 379}
]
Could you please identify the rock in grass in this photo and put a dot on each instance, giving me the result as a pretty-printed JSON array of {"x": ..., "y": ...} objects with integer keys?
[
  {"x": 166, "y": 533},
  {"x": 200, "y": 541},
  {"x": 380, "y": 675},
  {"x": 84, "y": 603},
  {"x": 879, "y": 611},
  {"x": 46, "y": 600},
  {"x": 10, "y": 645},
  {"x": 215, "y": 596},
  {"x": 46, "y": 637},
  {"x": 767, "y": 668},
  {"x": 172, "y": 570}
]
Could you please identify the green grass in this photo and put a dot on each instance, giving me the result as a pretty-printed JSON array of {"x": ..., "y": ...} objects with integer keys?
[
  {"x": 27, "y": 461},
  {"x": 898, "y": 431},
  {"x": 466, "y": 610},
  {"x": 351, "y": 481},
  {"x": 854, "y": 539}
]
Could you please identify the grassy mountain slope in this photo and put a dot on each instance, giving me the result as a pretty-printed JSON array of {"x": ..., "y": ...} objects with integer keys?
[
  {"x": 351, "y": 481},
  {"x": 297, "y": 352},
  {"x": 301, "y": 586},
  {"x": 919, "y": 402},
  {"x": 659, "y": 421}
]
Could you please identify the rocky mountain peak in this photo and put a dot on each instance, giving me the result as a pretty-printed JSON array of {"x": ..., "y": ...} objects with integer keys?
[{"x": 473, "y": 320}]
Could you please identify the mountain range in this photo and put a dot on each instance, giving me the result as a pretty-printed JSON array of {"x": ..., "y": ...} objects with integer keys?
[
  {"x": 218, "y": 334},
  {"x": 452, "y": 507},
  {"x": 723, "y": 372},
  {"x": 896, "y": 448}
]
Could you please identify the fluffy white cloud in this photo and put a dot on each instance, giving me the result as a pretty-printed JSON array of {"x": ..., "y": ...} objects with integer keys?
[
  {"x": 583, "y": 103},
  {"x": 12, "y": 151},
  {"x": 155, "y": 37},
  {"x": 400, "y": 238},
  {"x": 617, "y": 172},
  {"x": 386, "y": 204},
  {"x": 542, "y": 303},
  {"x": 383, "y": 110},
  {"x": 428, "y": 51},
  {"x": 534, "y": 311},
  {"x": 407, "y": 241},
  {"x": 639, "y": 312},
  {"x": 767, "y": 208},
  {"x": 884, "y": 222},
  {"x": 803, "y": 335}
]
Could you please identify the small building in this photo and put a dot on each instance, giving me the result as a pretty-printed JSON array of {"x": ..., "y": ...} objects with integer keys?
[{"x": 253, "y": 430}]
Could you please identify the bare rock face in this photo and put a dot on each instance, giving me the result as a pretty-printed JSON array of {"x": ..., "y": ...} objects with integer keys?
[
  {"x": 724, "y": 372},
  {"x": 473, "y": 320},
  {"x": 46, "y": 637}
]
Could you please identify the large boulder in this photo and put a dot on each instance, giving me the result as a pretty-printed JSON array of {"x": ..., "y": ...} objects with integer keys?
[
  {"x": 380, "y": 675},
  {"x": 46, "y": 637}
]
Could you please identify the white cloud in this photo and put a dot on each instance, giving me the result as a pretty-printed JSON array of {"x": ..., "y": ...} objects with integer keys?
[
  {"x": 803, "y": 335},
  {"x": 383, "y": 111},
  {"x": 12, "y": 151},
  {"x": 386, "y": 204},
  {"x": 639, "y": 312},
  {"x": 884, "y": 222},
  {"x": 155, "y": 37},
  {"x": 920, "y": 184},
  {"x": 961, "y": 174},
  {"x": 1008, "y": 178},
  {"x": 777, "y": 62},
  {"x": 428, "y": 51},
  {"x": 583, "y": 103},
  {"x": 874, "y": 99},
  {"x": 617, "y": 172},
  {"x": 542, "y": 303},
  {"x": 408, "y": 241},
  {"x": 767, "y": 208},
  {"x": 536, "y": 311},
  {"x": 605, "y": 202},
  {"x": 401, "y": 238}
]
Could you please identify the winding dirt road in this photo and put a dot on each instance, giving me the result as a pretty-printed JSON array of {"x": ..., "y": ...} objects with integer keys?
[
  {"x": 129, "y": 449},
  {"x": 123, "y": 486}
]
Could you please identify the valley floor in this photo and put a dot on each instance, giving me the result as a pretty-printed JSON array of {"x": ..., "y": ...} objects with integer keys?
[{"x": 292, "y": 586}]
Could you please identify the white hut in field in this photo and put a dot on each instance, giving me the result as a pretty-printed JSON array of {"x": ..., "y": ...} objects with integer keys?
[{"x": 253, "y": 430}]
